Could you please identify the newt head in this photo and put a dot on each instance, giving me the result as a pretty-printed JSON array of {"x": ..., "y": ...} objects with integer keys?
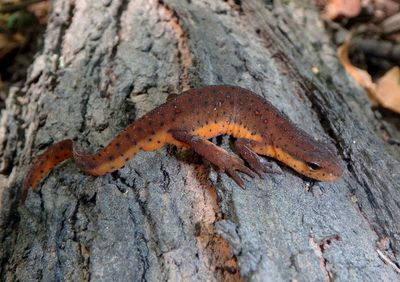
[
  {"x": 314, "y": 159},
  {"x": 327, "y": 168}
]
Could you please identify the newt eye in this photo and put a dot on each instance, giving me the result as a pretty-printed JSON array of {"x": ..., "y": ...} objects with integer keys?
[{"x": 313, "y": 166}]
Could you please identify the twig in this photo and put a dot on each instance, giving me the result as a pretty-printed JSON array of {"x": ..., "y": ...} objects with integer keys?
[
  {"x": 378, "y": 48},
  {"x": 391, "y": 24},
  {"x": 387, "y": 260}
]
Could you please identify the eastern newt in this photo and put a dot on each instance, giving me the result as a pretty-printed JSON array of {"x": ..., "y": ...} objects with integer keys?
[{"x": 188, "y": 120}]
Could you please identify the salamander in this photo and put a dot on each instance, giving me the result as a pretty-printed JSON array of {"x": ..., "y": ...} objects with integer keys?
[{"x": 189, "y": 120}]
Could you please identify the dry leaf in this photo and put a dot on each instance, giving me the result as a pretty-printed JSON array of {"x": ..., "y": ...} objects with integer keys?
[
  {"x": 40, "y": 10},
  {"x": 388, "y": 90},
  {"x": 361, "y": 76},
  {"x": 346, "y": 8}
]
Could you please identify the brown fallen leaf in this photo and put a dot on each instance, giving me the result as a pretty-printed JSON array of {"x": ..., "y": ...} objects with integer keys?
[
  {"x": 361, "y": 76},
  {"x": 388, "y": 89},
  {"x": 345, "y": 8},
  {"x": 40, "y": 10},
  {"x": 385, "y": 92}
]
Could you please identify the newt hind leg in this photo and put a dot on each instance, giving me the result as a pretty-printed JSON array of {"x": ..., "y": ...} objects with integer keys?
[
  {"x": 245, "y": 149},
  {"x": 224, "y": 161}
]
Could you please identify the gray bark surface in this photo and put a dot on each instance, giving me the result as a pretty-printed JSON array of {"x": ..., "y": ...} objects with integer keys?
[{"x": 167, "y": 215}]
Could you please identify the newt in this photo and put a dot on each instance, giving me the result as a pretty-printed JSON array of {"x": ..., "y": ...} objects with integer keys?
[{"x": 189, "y": 120}]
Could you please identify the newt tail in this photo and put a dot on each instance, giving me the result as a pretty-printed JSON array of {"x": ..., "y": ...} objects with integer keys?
[
  {"x": 44, "y": 163},
  {"x": 189, "y": 120}
]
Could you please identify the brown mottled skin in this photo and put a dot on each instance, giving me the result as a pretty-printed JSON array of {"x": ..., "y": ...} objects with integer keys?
[{"x": 191, "y": 118}]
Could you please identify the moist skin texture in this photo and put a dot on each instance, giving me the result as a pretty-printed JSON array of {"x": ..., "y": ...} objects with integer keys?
[{"x": 188, "y": 120}]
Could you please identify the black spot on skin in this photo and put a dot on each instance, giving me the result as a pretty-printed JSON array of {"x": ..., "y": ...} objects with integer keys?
[
  {"x": 117, "y": 145},
  {"x": 57, "y": 157},
  {"x": 150, "y": 123},
  {"x": 126, "y": 159},
  {"x": 162, "y": 123},
  {"x": 42, "y": 171},
  {"x": 158, "y": 141},
  {"x": 110, "y": 158},
  {"x": 150, "y": 139},
  {"x": 93, "y": 158}
]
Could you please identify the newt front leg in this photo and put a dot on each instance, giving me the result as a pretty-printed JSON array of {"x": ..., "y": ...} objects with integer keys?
[
  {"x": 224, "y": 161},
  {"x": 245, "y": 148}
]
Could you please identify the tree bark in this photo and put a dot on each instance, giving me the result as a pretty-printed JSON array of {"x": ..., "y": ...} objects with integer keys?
[{"x": 167, "y": 215}]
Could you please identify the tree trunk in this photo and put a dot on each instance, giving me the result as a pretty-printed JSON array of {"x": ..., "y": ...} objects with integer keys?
[{"x": 167, "y": 215}]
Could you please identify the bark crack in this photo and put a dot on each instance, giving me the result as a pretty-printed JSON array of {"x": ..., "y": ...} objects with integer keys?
[
  {"x": 63, "y": 27},
  {"x": 182, "y": 37},
  {"x": 319, "y": 248},
  {"x": 143, "y": 254}
]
